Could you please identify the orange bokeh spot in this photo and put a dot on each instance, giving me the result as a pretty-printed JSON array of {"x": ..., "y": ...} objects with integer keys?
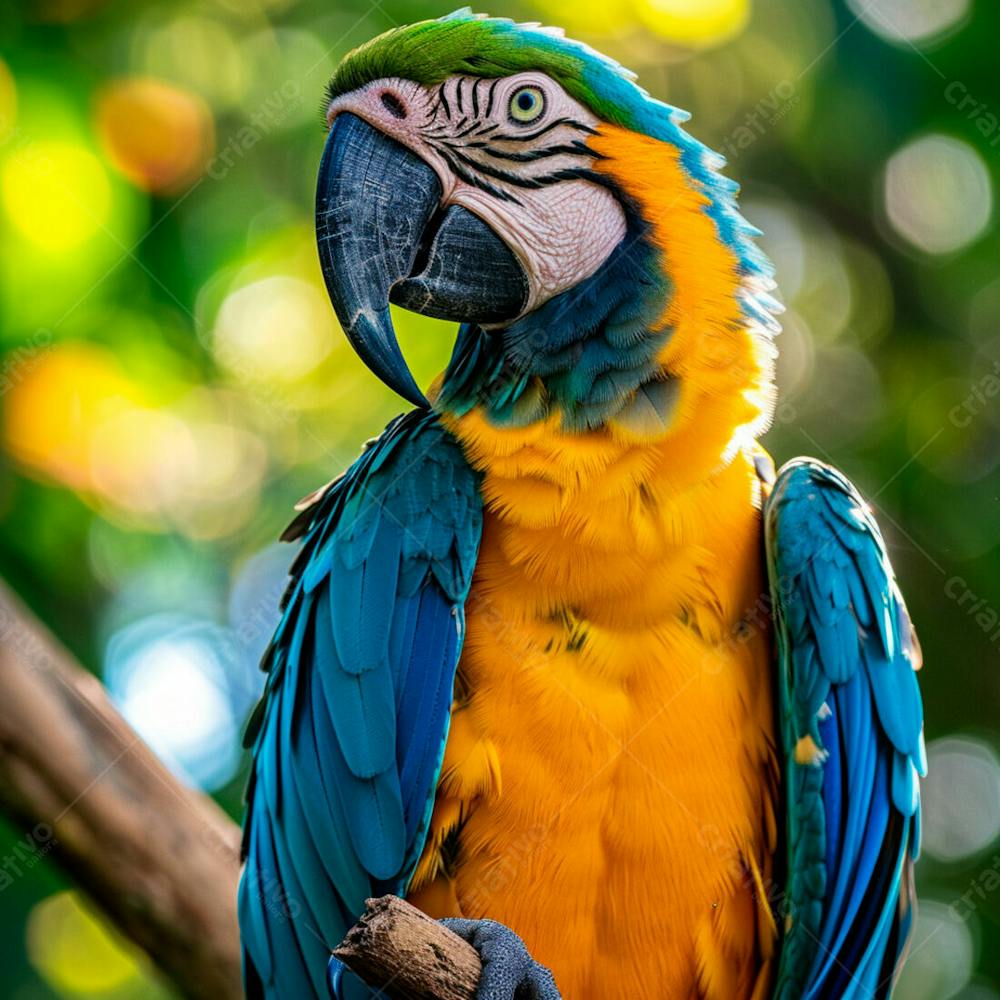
[
  {"x": 159, "y": 136},
  {"x": 56, "y": 397}
]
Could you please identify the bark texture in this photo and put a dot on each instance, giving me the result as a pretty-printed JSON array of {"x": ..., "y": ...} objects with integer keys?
[{"x": 406, "y": 955}]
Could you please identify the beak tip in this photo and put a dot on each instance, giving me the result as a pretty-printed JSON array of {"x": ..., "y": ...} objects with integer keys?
[
  {"x": 416, "y": 397},
  {"x": 374, "y": 339}
]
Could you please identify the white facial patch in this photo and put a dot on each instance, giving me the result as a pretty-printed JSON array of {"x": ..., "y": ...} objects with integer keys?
[{"x": 513, "y": 151}]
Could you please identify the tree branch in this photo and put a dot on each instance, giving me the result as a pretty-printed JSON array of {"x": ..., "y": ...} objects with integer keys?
[
  {"x": 161, "y": 860},
  {"x": 406, "y": 955}
]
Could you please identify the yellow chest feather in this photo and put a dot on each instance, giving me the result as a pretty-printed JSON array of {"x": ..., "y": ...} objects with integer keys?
[{"x": 609, "y": 782}]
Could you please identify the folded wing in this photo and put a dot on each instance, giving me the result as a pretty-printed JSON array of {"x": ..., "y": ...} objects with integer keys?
[
  {"x": 852, "y": 727},
  {"x": 348, "y": 739}
]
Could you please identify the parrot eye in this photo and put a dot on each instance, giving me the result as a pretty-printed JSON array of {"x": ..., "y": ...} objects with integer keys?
[{"x": 526, "y": 104}]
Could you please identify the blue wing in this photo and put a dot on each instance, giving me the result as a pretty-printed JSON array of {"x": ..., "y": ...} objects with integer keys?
[
  {"x": 852, "y": 727},
  {"x": 348, "y": 739}
]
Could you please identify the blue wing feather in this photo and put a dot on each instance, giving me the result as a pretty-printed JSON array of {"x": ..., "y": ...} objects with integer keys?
[
  {"x": 348, "y": 741},
  {"x": 847, "y": 684}
]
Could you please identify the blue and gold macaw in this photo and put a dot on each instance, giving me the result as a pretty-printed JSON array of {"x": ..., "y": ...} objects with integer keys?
[{"x": 559, "y": 650}]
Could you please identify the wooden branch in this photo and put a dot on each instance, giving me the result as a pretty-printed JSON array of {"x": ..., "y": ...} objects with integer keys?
[
  {"x": 406, "y": 955},
  {"x": 161, "y": 860}
]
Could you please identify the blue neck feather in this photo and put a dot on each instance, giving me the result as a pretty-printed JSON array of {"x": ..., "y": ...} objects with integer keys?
[{"x": 584, "y": 352}]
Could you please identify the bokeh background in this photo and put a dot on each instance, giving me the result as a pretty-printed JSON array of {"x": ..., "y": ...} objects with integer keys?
[{"x": 173, "y": 379}]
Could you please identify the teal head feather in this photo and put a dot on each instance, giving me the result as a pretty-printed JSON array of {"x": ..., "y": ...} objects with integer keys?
[{"x": 463, "y": 43}]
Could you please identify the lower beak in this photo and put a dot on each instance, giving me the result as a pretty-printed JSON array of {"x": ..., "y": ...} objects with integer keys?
[{"x": 384, "y": 236}]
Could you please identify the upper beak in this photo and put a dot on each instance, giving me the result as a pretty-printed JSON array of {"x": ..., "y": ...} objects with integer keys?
[{"x": 383, "y": 235}]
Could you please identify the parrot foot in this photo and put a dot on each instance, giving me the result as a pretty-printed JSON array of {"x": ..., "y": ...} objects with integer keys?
[{"x": 509, "y": 972}]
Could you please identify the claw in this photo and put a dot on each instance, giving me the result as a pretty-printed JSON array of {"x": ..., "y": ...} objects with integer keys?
[
  {"x": 343, "y": 984},
  {"x": 509, "y": 971}
]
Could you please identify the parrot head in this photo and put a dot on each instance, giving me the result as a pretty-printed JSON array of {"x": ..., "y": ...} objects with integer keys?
[{"x": 519, "y": 183}]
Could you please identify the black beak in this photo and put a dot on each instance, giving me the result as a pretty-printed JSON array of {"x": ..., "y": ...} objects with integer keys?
[{"x": 383, "y": 236}]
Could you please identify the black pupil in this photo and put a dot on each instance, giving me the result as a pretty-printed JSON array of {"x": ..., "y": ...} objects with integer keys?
[{"x": 526, "y": 101}]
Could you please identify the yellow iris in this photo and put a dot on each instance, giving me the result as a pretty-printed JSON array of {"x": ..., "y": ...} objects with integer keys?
[{"x": 526, "y": 104}]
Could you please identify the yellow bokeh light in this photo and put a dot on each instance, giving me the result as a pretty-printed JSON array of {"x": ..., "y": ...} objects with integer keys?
[
  {"x": 587, "y": 18},
  {"x": 158, "y": 135},
  {"x": 8, "y": 102},
  {"x": 278, "y": 327},
  {"x": 57, "y": 194},
  {"x": 74, "y": 950},
  {"x": 938, "y": 193},
  {"x": 694, "y": 23}
]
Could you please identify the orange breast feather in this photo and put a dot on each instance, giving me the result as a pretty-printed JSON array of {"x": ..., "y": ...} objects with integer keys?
[{"x": 609, "y": 782}]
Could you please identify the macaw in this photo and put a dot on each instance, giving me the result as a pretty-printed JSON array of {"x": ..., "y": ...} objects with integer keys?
[{"x": 562, "y": 660}]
